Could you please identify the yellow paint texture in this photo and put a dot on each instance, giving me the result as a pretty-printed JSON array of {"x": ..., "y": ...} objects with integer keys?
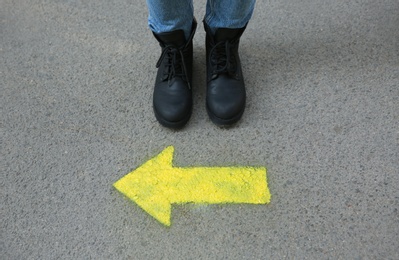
[{"x": 156, "y": 185}]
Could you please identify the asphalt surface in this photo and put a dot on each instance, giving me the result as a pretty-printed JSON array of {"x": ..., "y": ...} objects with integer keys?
[{"x": 322, "y": 116}]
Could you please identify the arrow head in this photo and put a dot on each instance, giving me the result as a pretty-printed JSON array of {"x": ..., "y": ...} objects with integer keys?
[{"x": 145, "y": 186}]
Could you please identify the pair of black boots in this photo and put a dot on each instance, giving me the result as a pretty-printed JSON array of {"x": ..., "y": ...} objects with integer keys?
[{"x": 225, "y": 97}]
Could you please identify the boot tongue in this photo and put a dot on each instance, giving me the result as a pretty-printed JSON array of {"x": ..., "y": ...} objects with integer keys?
[
  {"x": 226, "y": 34},
  {"x": 175, "y": 38}
]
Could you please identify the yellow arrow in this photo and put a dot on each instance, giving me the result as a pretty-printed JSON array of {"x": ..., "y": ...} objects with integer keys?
[{"x": 156, "y": 185}]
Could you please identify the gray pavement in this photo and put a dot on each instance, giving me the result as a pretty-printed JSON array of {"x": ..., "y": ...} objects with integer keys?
[{"x": 322, "y": 115}]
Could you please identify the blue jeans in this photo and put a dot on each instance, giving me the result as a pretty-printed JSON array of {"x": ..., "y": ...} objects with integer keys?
[{"x": 170, "y": 15}]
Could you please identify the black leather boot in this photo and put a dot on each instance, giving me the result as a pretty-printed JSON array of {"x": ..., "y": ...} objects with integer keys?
[
  {"x": 172, "y": 99},
  {"x": 225, "y": 97}
]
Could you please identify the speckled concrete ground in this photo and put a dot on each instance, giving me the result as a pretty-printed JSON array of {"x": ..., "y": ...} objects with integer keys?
[{"x": 322, "y": 116}]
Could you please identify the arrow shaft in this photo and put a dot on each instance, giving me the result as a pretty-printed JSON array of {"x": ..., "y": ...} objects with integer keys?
[{"x": 218, "y": 185}]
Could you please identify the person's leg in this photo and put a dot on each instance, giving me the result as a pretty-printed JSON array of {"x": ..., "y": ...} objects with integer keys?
[
  {"x": 228, "y": 13},
  {"x": 166, "y": 16},
  {"x": 225, "y": 22},
  {"x": 173, "y": 25}
]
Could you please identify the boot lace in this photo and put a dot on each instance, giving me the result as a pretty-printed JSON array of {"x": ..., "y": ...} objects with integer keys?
[
  {"x": 175, "y": 65},
  {"x": 222, "y": 59}
]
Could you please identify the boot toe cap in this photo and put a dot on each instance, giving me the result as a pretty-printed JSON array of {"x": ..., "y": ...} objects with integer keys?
[
  {"x": 172, "y": 104},
  {"x": 226, "y": 100}
]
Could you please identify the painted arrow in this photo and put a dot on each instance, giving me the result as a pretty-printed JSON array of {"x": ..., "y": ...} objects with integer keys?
[{"x": 156, "y": 185}]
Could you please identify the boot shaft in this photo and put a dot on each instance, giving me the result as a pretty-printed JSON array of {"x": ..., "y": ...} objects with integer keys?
[
  {"x": 177, "y": 55},
  {"x": 222, "y": 52}
]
